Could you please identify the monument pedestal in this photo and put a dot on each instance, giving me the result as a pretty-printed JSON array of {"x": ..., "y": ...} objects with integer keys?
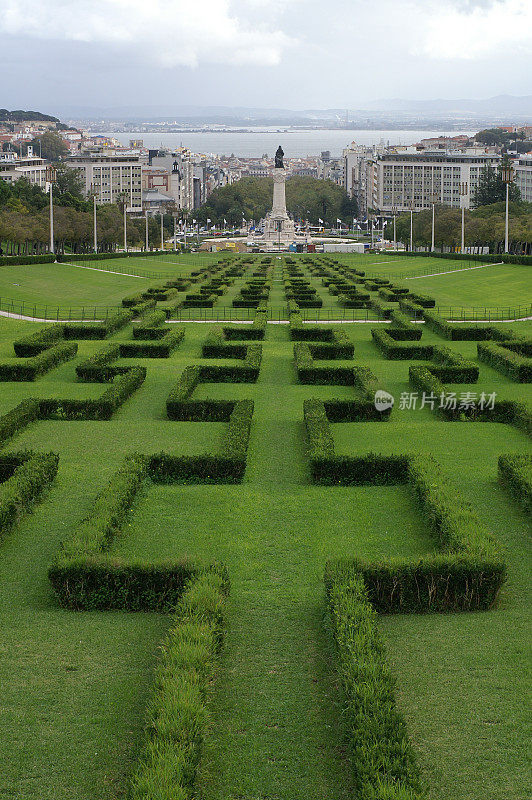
[{"x": 279, "y": 230}]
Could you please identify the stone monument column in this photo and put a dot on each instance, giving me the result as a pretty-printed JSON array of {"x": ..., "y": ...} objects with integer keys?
[{"x": 279, "y": 194}]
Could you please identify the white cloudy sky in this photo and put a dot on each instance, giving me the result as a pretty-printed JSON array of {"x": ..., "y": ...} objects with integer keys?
[{"x": 267, "y": 53}]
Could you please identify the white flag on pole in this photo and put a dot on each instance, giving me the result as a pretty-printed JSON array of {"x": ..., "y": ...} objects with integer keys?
[
  {"x": 208, "y": 220},
  {"x": 339, "y": 221},
  {"x": 320, "y": 221}
]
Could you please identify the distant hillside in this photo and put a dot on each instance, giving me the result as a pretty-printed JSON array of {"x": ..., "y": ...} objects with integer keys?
[{"x": 23, "y": 116}]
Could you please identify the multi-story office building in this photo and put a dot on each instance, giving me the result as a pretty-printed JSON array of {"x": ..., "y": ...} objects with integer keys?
[
  {"x": 355, "y": 173},
  {"x": 30, "y": 167},
  {"x": 111, "y": 177},
  {"x": 413, "y": 180},
  {"x": 523, "y": 177},
  {"x": 187, "y": 178}
]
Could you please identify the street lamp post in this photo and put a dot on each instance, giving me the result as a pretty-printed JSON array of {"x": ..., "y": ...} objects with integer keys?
[
  {"x": 507, "y": 176},
  {"x": 162, "y": 230},
  {"x": 175, "y": 233},
  {"x": 95, "y": 227},
  {"x": 463, "y": 193},
  {"x": 125, "y": 225},
  {"x": 394, "y": 212},
  {"x": 411, "y": 225},
  {"x": 433, "y": 201},
  {"x": 52, "y": 216},
  {"x": 146, "y": 235}
]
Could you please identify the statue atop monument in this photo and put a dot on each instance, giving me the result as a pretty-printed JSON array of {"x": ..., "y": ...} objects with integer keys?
[{"x": 279, "y": 164}]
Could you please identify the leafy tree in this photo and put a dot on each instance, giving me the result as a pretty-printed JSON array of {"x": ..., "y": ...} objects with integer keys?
[
  {"x": 50, "y": 145},
  {"x": 306, "y": 198},
  {"x": 68, "y": 188},
  {"x": 491, "y": 188},
  {"x": 493, "y": 136}
]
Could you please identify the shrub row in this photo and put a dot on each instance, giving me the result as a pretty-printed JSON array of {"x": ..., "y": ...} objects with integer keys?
[
  {"x": 15, "y": 260},
  {"x": 35, "y": 343},
  {"x": 464, "y": 331},
  {"x": 178, "y": 717},
  {"x": 384, "y": 310},
  {"x": 32, "y": 473},
  {"x": 308, "y": 372},
  {"x": 98, "y": 330},
  {"x": 83, "y": 575},
  {"x": 32, "y": 368},
  {"x": 18, "y": 418},
  {"x": 217, "y": 346},
  {"x": 105, "y": 256},
  {"x": 515, "y": 472},
  {"x": 508, "y": 412},
  {"x": 97, "y": 369},
  {"x": 159, "y": 348},
  {"x": 151, "y": 326},
  {"x": 383, "y": 763},
  {"x": 465, "y": 575},
  {"x": 256, "y": 330},
  {"x": 409, "y": 330},
  {"x": 180, "y": 406},
  {"x": 226, "y": 467},
  {"x": 498, "y": 356},
  {"x": 387, "y": 342},
  {"x": 101, "y": 408}
]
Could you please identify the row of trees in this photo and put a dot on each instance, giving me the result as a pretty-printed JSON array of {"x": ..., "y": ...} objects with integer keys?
[
  {"x": 251, "y": 198},
  {"x": 483, "y": 226}
]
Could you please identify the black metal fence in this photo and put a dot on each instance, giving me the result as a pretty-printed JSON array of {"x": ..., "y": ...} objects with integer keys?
[{"x": 275, "y": 314}]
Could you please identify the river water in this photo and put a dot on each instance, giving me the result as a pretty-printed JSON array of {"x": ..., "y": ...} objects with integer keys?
[{"x": 256, "y": 142}]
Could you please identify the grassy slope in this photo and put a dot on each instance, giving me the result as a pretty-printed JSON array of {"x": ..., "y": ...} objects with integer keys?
[
  {"x": 508, "y": 284},
  {"x": 75, "y": 686}
]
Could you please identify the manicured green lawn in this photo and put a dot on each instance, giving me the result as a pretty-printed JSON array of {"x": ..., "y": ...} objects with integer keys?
[
  {"x": 495, "y": 285},
  {"x": 75, "y": 685}
]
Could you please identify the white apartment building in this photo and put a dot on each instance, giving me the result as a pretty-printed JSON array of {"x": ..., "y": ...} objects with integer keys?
[
  {"x": 30, "y": 167},
  {"x": 111, "y": 177},
  {"x": 355, "y": 157},
  {"x": 186, "y": 179},
  {"x": 405, "y": 180},
  {"x": 523, "y": 177}
]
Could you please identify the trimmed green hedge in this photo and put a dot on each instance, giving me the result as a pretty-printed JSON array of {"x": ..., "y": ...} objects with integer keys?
[
  {"x": 467, "y": 572},
  {"x": 409, "y": 330},
  {"x": 383, "y": 764},
  {"x": 178, "y": 715},
  {"x": 458, "y": 331},
  {"x": 159, "y": 348},
  {"x": 518, "y": 367},
  {"x": 217, "y": 346},
  {"x": 103, "y": 407},
  {"x": 308, "y": 372},
  {"x": 28, "y": 475},
  {"x": 38, "y": 365},
  {"x": 151, "y": 326},
  {"x": 35, "y": 343},
  {"x": 97, "y": 369},
  {"x": 18, "y": 418},
  {"x": 256, "y": 330},
  {"x": 98, "y": 330},
  {"x": 105, "y": 256},
  {"x": 388, "y": 340},
  {"x": 515, "y": 472},
  {"x": 6, "y": 261}
]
